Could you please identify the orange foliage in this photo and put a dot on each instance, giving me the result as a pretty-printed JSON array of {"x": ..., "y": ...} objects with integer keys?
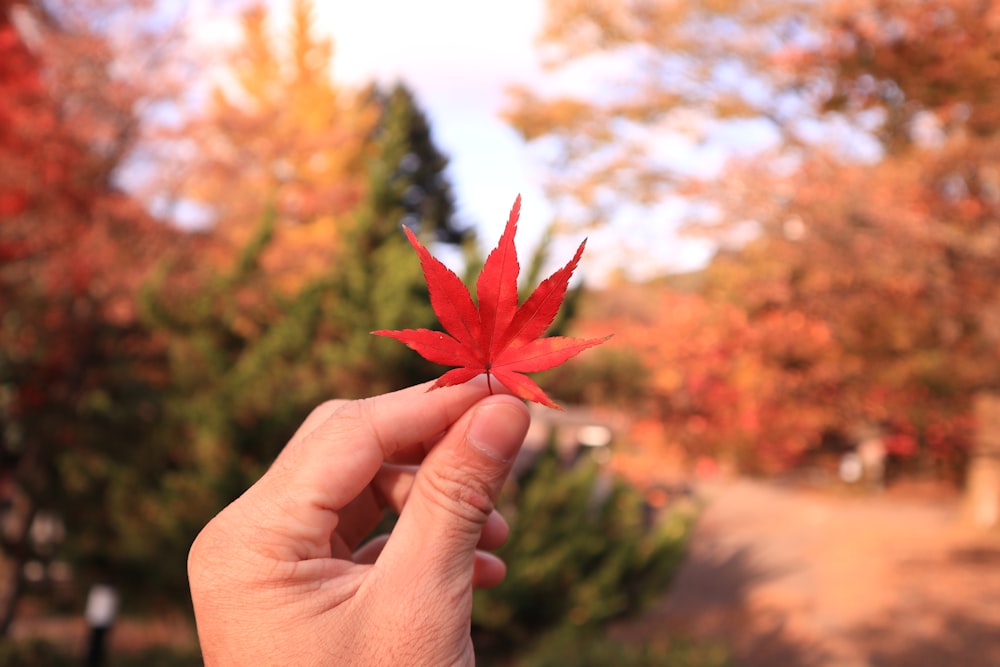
[
  {"x": 865, "y": 295},
  {"x": 280, "y": 133},
  {"x": 721, "y": 384},
  {"x": 902, "y": 274},
  {"x": 942, "y": 54}
]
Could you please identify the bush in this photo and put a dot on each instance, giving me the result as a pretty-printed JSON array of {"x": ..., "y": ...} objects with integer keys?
[
  {"x": 34, "y": 653},
  {"x": 158, "y": 656},
  {"x": 574, "y": 648},
  {"x": 44, "y": 653},
  {"x": 584, "y": 549}
]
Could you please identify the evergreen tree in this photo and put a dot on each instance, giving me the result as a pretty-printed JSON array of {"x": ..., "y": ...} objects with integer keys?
[
  {"x": 379, "y": 283},
  {"x": 249, "y": 361},
  {"x": 584, "y": 549},
  {"x": 412, "y": 169}
]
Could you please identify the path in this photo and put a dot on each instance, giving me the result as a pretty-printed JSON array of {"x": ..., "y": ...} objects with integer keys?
[{"x": 793, "y": 578}]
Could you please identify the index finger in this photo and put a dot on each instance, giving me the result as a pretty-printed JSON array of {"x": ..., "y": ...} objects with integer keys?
[
  {"x": 330, "y": 461},
  {"x": 396, "y": 422}
]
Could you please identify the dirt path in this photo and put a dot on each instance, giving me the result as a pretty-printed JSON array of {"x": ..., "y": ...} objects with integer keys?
[{"x": 793, "y": 578}]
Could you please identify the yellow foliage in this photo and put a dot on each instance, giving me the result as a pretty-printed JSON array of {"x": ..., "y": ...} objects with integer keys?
[{"x": 280, "y": 132}]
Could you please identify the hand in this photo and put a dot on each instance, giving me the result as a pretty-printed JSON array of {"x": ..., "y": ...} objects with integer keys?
[{"x": 277, "y": 577}]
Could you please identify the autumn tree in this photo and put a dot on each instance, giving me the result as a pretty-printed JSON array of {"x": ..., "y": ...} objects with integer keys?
[
  {"x": 699, "y": 377},
  {"x": 78, "y": 372},
  {"x": 275, "y": 129},
  {"x": 641, "y": 97},
  {"x": 901, "y": 270},
  {"x": 870, "y": 209}
]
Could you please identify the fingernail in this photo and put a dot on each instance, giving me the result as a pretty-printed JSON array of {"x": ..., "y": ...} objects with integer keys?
[{"x": 498, "y": 430}]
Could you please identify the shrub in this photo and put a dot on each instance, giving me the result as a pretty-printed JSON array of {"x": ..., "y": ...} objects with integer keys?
[{"x": 584, "y": 549}]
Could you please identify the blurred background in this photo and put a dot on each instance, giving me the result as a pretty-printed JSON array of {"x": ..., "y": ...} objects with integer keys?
[{"x": 789, "y": 452}]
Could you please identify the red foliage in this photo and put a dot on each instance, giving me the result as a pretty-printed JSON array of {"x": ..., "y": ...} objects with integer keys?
[
  {"x": 499, "y": 337},
  {"x": 73, "y": 248}
]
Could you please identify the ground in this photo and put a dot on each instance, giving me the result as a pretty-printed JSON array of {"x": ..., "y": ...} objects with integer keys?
[
  {"x": 788, "y": 576},
  {"x": 792, "y": 577}
]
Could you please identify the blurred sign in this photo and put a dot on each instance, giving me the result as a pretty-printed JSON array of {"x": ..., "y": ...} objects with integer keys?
[{"x": 594, "y": 435}]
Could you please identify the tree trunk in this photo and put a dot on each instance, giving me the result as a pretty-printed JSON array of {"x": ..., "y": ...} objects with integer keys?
[
  {"x": 11, "y": 593},
  {"x": 982, "y": 492},
  {"x": 17, "y": 548}
]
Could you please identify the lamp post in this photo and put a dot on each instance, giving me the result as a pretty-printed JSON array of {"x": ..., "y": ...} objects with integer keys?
[{"x": 102, "y": 606}]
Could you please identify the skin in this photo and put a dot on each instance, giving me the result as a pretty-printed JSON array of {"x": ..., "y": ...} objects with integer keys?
[{"x": 278, "y": 578}]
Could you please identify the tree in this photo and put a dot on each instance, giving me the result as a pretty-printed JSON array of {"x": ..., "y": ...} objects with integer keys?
[
  {"x": 379, "y": 284},
  {"x": 876, "y": 52},
  {"x": 917, "y": 324},
  {"x": 584, "y": 550},
  {"x": 882, "y": 235},
  {"x": 78, "y": 372},
  {"x": 751, "y": 391},
  {"x": 278, "y": 131},
  {"x": 669, "y": 99},
  {"x": 248, "y": 359}
]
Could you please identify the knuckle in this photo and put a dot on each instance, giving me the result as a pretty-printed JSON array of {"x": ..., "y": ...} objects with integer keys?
[
  {"x": 342, "y": 418},
  {"x": 359, "y": 416},
  {"x": 466, "y": 496},
  {"x": 207, "y": 552},
  {"x": 329, "y": 407}
]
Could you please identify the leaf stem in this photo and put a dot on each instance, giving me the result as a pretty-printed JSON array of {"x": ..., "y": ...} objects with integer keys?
[{"x": 489, "y": 384}]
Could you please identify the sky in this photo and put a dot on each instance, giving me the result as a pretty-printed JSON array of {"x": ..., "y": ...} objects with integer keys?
[{"x": 459, "y": 57}]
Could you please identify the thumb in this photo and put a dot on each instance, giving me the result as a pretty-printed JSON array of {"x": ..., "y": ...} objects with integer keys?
[{"x": 432, "y": 548}]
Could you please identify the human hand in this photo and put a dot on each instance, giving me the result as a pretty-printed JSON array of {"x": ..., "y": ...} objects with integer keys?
[{"x": 277, "y": 577}]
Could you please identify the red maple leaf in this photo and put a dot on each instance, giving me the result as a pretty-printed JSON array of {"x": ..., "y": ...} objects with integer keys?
[{"x": 499, "y": 337}]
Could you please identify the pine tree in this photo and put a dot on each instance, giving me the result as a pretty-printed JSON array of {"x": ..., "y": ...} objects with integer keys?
[
  {"x": 379, "y": 283},
  {"x": 249, "y": 360},
  {"x": 412, "y": 169},
  {"x": 584, "y": 549}
]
